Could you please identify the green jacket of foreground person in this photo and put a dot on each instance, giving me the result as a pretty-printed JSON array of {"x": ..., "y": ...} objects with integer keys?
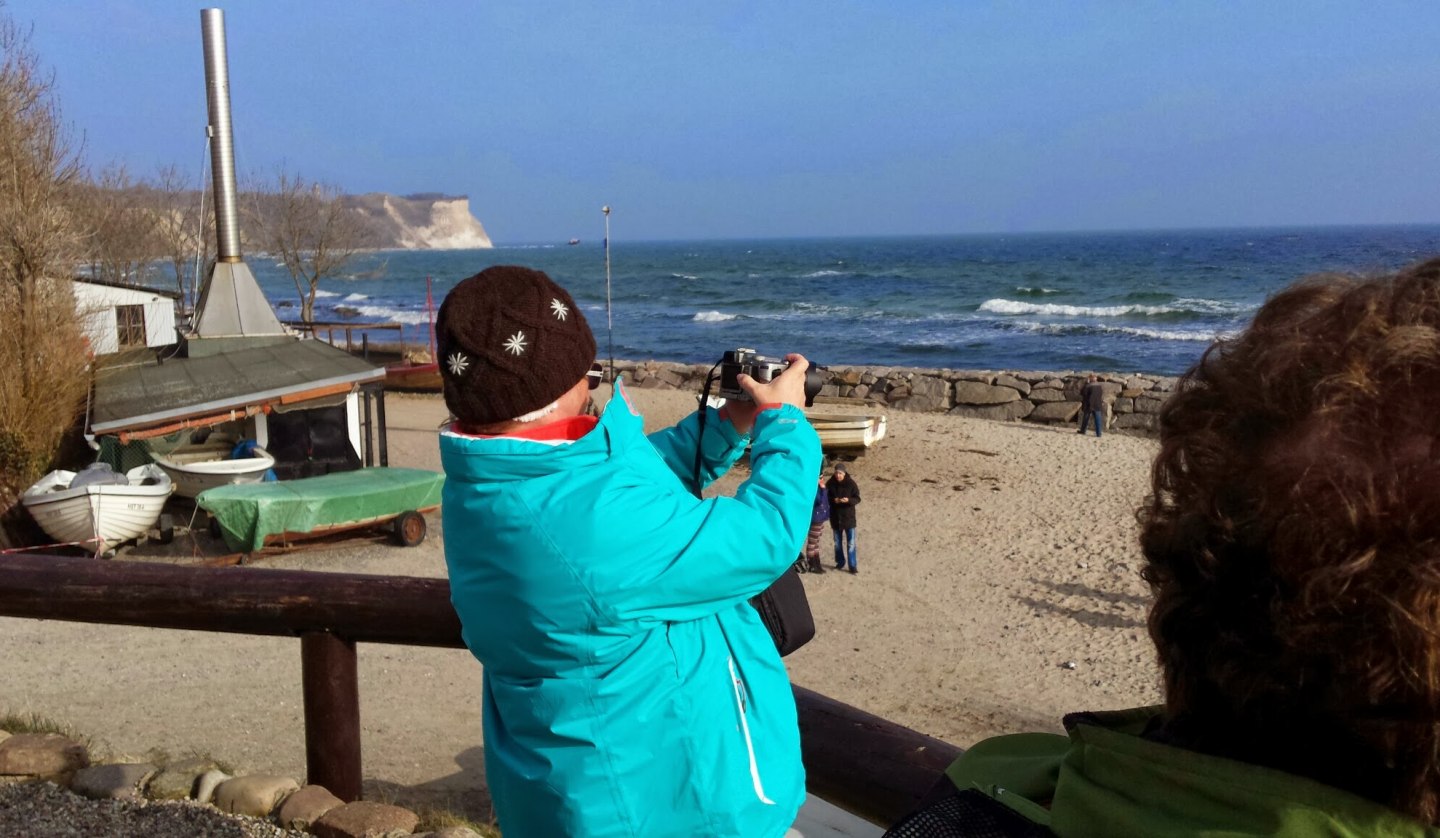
[
  {"x": 630, "y": 689},
  {"x": 1106, "y": 779}
]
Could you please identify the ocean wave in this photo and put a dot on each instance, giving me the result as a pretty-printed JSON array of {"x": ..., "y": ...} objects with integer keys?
[
  {"x": 713, "y": 317},
  {"x": 323, "y": 293},
  {"x": 355, "y": 297},
  {"x": 392, "y": 315},
  {"x": 1215, "y": 306},
  {"x": 999, "y": 306},
  {"x": 820, "y": 309},
  {"x": 1072, "y": 329},
  {"x": 1179, "y": 334},
  {"x": 822, "y": 273},
  {"x": 1036, "y": 292},
  {"x": 683, "y": 276}
]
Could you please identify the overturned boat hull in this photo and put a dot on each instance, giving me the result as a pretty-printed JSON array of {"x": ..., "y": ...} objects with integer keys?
[{"x": 848, "y": 431}]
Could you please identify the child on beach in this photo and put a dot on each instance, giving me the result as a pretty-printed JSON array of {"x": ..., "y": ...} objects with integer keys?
[
  {"x": 629, "y": 687},
  {"x": 819, "y": 516},
  {"x": 1292, "y": 544}
]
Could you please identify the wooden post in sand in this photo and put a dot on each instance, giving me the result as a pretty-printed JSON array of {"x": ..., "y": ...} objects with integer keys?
[{"x": 331, "y": 687}]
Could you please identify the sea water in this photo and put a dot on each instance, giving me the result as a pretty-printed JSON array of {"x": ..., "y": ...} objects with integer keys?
[{"x": 1123, "y": 302}]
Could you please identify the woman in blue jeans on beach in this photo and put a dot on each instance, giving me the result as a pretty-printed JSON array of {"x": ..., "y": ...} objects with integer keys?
[{"x": 844, "y": 494}]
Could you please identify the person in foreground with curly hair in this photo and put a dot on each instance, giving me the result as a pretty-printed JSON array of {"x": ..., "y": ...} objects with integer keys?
[{"x": 1292, "y": 542}]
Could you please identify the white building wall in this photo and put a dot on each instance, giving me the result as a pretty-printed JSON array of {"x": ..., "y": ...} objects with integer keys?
[{"x": 96, "y": 305}]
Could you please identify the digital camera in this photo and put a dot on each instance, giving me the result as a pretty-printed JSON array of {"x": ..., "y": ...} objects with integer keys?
[{"x": 762, "y": 369}]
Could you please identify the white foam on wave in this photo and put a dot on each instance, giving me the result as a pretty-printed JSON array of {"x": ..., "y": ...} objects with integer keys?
[
  {"x": 350, "y": 298},
  {"x": 683, "y": 276},
  {"x": 713, "y": 317},
  {"x": 323, "y": 293},
  {"x": 998, "y": 306},
  {"x": 1179, "y": 334},
  {"x": 822, "y": 273},
  {"x": 1021, "y": 289},
  {"x": 1215, "y": 306},
  {"x": 413, "y": 318},
  {"x": 819, "y": 309},
  {"x": 1198, "y": 335}
]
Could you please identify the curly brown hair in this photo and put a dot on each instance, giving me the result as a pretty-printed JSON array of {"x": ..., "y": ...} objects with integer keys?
[{"x": 1292, "y": 540}]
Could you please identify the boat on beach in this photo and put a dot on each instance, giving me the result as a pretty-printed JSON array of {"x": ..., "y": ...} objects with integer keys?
[
  {"x": 196, "y": 468},
  {"x": 98, "y": 505},
  {"x": 848, "y": 431},
  {"x": 414, "y": 377}
]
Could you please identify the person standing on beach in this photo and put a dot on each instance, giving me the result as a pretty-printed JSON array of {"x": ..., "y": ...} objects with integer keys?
[
  {"x": 630, "y": 689},
  {"x": 844, "y": 495},
  {"x": 819, "y": 516},
  {"x": 1092, "y": 404}
]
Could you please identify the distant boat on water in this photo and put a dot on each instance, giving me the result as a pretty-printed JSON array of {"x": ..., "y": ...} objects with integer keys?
[{"x": 574, "y": 241}]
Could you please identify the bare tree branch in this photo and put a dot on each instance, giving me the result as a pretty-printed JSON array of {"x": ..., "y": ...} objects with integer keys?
[
  {"x": 184, "y": 232},
  {"x": 306, "y": 226}
]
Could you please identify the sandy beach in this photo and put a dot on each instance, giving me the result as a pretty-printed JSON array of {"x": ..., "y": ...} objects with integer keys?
[{"x": 998, "y": 589}]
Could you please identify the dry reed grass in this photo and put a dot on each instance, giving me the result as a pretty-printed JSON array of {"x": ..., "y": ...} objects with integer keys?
[{"x": 43, "y": 377}]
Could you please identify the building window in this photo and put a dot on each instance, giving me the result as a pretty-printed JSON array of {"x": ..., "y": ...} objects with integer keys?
[{"x": 130, "y": 325}]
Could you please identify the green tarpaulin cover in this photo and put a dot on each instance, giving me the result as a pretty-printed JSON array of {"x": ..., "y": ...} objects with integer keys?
[{"x": 249, "y": 513}]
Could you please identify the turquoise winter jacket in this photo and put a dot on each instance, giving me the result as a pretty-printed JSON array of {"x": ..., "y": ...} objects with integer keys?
[{"x": 630, "y": 689}]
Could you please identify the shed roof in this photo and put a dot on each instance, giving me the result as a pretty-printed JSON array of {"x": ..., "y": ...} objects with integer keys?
[
  {"x": 139, "y": 396},
  {"x": 128, "y": 286}
]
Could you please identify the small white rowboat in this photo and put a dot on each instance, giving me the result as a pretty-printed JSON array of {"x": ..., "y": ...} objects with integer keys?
[
  {"x": 849, "y": 430},
  {"x": 198, "y": 469},
  {"x": 100, "y": 512}
]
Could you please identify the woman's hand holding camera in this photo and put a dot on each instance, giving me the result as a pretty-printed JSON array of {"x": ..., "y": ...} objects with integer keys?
[{"x": 786, "y": 388}]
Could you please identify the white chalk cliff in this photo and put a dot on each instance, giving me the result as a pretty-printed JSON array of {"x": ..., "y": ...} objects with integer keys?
[{"x": 422, "y": 222}]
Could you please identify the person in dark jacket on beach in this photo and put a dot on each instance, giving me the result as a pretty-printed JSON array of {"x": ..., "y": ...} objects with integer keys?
[
  {"x": 844, "y": 494},
  {"x": 1092, "y": 404}
]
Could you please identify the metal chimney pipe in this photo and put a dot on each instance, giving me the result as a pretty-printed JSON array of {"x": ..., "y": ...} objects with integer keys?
[{"x": 222, "y": 142}]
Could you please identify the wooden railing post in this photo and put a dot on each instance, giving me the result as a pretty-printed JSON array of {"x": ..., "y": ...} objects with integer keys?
[{"x": 332, "y": 713}]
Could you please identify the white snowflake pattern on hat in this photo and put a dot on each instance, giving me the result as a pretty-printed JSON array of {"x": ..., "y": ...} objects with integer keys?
[
  {"x": 559, "y": 309},
  {"x": 458, "y": 363},
  {"x": 516, "y": 344}
]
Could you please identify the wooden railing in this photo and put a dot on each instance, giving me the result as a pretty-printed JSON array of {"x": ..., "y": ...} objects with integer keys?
[
  {"x": 860, "y": 762},
  {"x": 316, "y": 327}
]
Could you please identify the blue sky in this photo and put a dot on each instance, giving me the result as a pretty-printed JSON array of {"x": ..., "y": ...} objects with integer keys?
[{"x": 792, "y": 118}]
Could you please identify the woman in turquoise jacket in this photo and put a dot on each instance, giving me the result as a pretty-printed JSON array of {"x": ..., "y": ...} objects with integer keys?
[{"x": 630, "y": 689}]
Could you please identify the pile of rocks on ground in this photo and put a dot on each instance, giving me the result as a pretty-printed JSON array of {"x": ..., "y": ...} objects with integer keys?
[{"x": 48, "y": 787}]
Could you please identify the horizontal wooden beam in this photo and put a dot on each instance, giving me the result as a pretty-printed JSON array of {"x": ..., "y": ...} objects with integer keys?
[
  {"x": 861, "y": 762},
  {"x": 369, "y": 609}
]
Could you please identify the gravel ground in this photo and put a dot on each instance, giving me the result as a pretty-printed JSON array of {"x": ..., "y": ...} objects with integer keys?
[{"x": 45, "y": 810}]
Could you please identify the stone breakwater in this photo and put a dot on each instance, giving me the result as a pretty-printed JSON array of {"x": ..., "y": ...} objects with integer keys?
[
  {"x": 48, "y": 787},
  {"x": 1132, "y": 401}
]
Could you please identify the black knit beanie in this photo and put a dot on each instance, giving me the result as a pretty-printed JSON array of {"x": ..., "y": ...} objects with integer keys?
[{"x": 511, "y": 341}]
